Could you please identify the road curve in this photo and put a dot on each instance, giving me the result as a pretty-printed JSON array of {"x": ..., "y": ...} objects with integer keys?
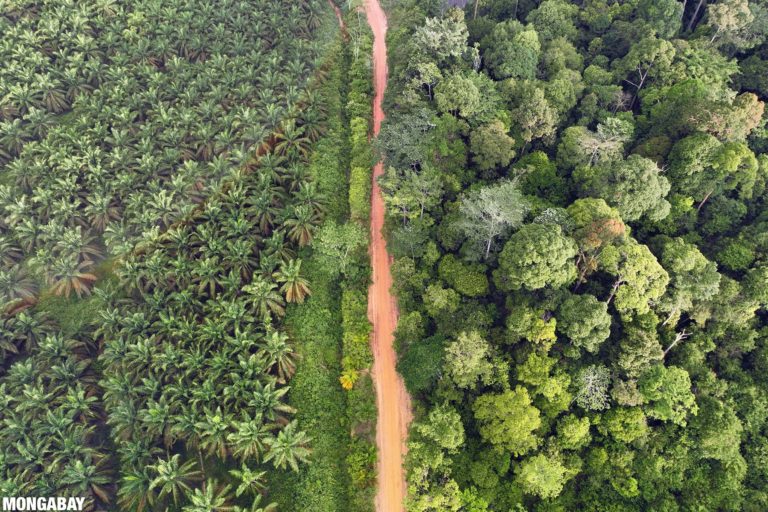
[{"x": 392, "y": 399}]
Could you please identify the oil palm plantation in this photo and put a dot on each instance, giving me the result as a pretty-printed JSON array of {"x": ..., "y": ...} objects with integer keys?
[{"x": 108, "y": 143}]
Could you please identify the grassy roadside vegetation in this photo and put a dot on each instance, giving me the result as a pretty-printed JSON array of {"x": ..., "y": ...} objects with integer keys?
[
  {"x": 332, "y": 389},
  {"x": 315, "y": 327},
  {"x": 358, "y": 358}
]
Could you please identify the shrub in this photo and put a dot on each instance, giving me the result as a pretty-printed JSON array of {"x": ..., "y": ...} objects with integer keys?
[
  {"x": 360, "y": 194},
  {"x": 354, "y": 312}
]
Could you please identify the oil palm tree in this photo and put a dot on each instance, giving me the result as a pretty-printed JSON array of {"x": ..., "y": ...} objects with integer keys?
[
  {"x": 301, "y": 223},
  {"x": 101, "y": 210},
  {"x": 309, "y": 195},
  {"x": 280, "y": 354},
  {"x": 288, "y": 448},
  {"x": 75, "y": 242},
  {"x": 87, "y": 477},
  {"x": 135, "y": 491},
  {"x": 248, "y": 439},
  {"x": 13, "y": 136},
  {"x": 206, "y": 274},
  {"x": 15, "y": 283},
  {"x": 251, "y": 481},
  {"x": 213, "y": 497},
  {"x": 10, "y": 253},
  {"x": 292, "y": 140},
  {"x": 213, "y": 432},
  {"x": 257, "y": 507},
  {"x": 67, "y": 275},
  {"x": 268, "y": 401},
  {"x": 294, "y": 287},
  {"x": 265, "y": 298},
  {"x": 173, "y": 478},
  {"x": 263, "y": 210}
]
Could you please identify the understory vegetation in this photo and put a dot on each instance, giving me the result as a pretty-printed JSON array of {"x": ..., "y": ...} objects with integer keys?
[{"x": 577, "y": 210}]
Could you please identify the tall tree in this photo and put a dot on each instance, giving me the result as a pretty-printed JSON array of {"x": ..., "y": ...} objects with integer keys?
[
  {"x": 537, "y": 255},
  {"x": 491, "y": 212},
  {"x": 693, "y": 278},
  {"x": 668, "y": 392},
  {"x": 468, "y": 361},
  {"x": 508, "y": 420},
  {"x": 491, "y": 146},
  {"x": 542, "y": 476},
  {"x": 634, "y": 186},
  {"x": 639, "y": 278},
  {"x": 584, "y": 321},
  {"x": 340, "y": 245}
]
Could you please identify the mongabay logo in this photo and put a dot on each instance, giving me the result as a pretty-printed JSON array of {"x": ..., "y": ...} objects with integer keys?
[{"x": 26, "y": 504}]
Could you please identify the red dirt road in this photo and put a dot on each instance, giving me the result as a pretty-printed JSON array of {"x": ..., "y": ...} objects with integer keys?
[{"x": 392, "y": 399}]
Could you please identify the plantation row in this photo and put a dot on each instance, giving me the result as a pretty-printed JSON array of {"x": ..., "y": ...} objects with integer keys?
[{"x": 116, "y": 118}]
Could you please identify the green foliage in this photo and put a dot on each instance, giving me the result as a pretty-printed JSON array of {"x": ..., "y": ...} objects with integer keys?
[
  {"x": 573, "y": 432},
  {"x": 341, "y": 246},
  {"x": 410, "y": 192},
  {"x": 508, "y": 420},
  {"x": 491, "y": 146},
  {"x": 359, "y": 194},
  {"x": 584, "y": 321},
  {"x": 459, "y": 94},
  {"x": 719, "y": 430},
  {"x": 592, "y": 388},
  {"x": 640, "y": 280},
  {"x": 624, "y": 424},
  {"x": 441, "y": 40},
  {"x": 542, "y": 476},
  {"x": 580, "y": 146},
  {"x": 533, "y": 325},
  {"x": 468, "y": 359},
  {"x": 443, "y": 427},
  {"x": 439, "y": 301},
  {"x": 554, "y": 18},
  {"x": 534, "y": 115},
  {"x": 736, "y": 255},
  {"x": 354, "y": 314},
  {"x": 638, "y": 349},
  {"x": 468, "y": 280},
  {"x": 421, "y": 364},
  {"x": 668, "y": 391},
  {"x": 634, "y": 186},
  {"x": 693, "y": 278},
  {"x": 361, "y": 462},
  {"x": 512, "y": 51},
  {"x": 490, "y": 212},
  {"x": 537, "y": 255},
  {"x": 538, "y": 177}
]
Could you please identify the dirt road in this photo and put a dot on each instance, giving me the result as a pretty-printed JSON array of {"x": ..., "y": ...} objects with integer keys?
[{"x": 393, "y": 402}]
